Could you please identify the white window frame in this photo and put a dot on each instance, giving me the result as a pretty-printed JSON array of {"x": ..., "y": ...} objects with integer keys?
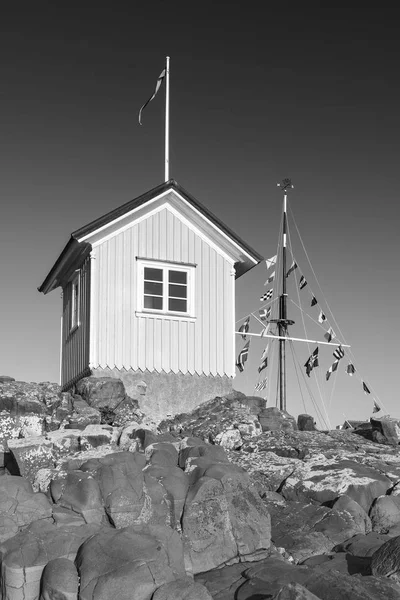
[
  {"x": 75, "y": 303},
  {"x": 190, "y": 271}
]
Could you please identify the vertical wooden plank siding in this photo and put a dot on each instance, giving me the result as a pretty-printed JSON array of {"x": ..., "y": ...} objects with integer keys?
[
  {"x": 75, "y": 344},
  {"x": 130, "y": 341}
]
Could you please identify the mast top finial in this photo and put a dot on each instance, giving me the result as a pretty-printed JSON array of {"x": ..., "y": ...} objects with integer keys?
[{"x": 286, "y": 184}]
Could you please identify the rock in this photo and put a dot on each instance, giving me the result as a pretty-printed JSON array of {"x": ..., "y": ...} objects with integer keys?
[
  {"x": 340, "y": 561},
  {"x": 339, "y": 525},
  {"x": 127, "y": 440},
  {"x": 103, "y": 393},
  {"x": 273, "y": 419},
  {"x": 19, "y": 505},
  {"x": 176, "y": 485},
  {"x": 234, "y": 411},
  {"x": 385, "y": 513},
  {"x": 224, "y": 520},
  {"x": 80, "y": 492},
  {"x": 230, "y": 439},
  {"x": 269, "y": 576},
  {"x": 385, "y": 430},
  {"x": 360, "y": 517},
  {"x": 306, "y": 423},
  {"x": 211, "y": 452},
  {"x": 362, "y": 545},
  {"x": 82, "y": 415},
  {"x": 182, "y": 589},
  {"x": 323, "y": 478},
  {"x": 134, "y": 560},
  {"x": 331, "y": 585},
  {"x": 25, "y": 555},
  {"x": 385, "y": 561},
  {"x": 223, "y": 583},
  {"x": 295, "y": 591},
  {"x": 120, "y": 479},
  {"x": 59, "y": 580},
  {"x": 6, "y": 379},
  {"x": 162, "y": 454}
]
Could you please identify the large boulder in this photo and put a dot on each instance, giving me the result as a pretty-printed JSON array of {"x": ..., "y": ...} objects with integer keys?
[
  {"x": 224, "y": 521},
  {"x": 108, "y": 396},
  {"x": 385, "y": 430},
  {"x": 385, "y": 513},
  {"x": 273, "y": 419},
  {"x": 60, "y": 580},
  {"x": 306, "y": 423},
  {"x": 129, "y": 562},
  {"x": 182, "y": 589},
  {"x": 24, "y": 556},
  {"x": 19, "y": 505},
  {"x": 80, "y": 493},
  {"x": 386, "y": 560}
]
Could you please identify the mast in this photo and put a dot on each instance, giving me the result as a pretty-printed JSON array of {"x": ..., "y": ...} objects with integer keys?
[
  {"x": 283, "y": 321},
  {"x": 166, "y": 163}
]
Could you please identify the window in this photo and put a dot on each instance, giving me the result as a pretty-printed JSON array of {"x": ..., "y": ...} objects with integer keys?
[
  {"x": 75, "y": 303},
  {"x": 166, "y": 288}
]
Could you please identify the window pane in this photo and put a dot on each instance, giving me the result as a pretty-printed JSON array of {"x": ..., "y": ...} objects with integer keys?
[
  {"x": 177, "y": 277},
  {"x": 177, "y": 305},
  {"x": 177, "y": 291},
  {"x": 154, "y": 302},
  {"x": 153, "y": 288},
  {"x": 153, "y": 274}
]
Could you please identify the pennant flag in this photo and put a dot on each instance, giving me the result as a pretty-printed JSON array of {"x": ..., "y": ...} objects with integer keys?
[
  {"x": 242, "y": 358},
  {"x": 264, "y": 360},
  {"x": 266, "y": 296},
  {"x": 350, "y": 369},
  {"x": 270, "y": 261},
  {"x": 314, "y": 301},
  {"x": 329, "y": 335},
  {"x": 302, "y": 282},
  {"x": 321, "y": 317},
  {"x": 332, "y": 369},
  {"x": 265, "y": 313},
  {"x": 366, "y": 388},
  {"x": 292, "y": 267},
  {"x": 338, "y": 353},
  {"x": 158, "y": 84},
  {"x": 376, "y": 408},
  {"x": 312, "y": 362},
  {"x": 270, "y": 278},
  {"x": 266, "y": 330},
  {"x": 261, "y": 385},
  {"x": 244, "y": 328}
]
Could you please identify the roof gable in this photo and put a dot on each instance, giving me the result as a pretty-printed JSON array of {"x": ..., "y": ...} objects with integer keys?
[{"x": 171, "y": 194}]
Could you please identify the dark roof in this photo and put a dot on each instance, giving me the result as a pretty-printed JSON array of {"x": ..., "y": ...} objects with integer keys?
[
  {"x": 355, "y": 424},
  {"x": 75, "y": 250},
  {"x": 171, "y": 184}
]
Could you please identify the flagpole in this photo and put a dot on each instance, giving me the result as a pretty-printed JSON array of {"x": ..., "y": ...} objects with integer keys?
[{"x": 167, "y": 119}]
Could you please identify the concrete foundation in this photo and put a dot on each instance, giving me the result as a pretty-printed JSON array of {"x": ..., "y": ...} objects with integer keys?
[{"x": 168, "y": 394}]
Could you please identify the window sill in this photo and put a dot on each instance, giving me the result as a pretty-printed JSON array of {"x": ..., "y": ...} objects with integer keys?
[{"x": 163, "y": 315}]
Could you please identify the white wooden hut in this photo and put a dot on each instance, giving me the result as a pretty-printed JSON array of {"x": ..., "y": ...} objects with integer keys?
[{"x": 149, "y": 297}]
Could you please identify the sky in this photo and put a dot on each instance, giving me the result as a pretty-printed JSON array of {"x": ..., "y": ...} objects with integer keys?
[{"x": 310, "y": 94}]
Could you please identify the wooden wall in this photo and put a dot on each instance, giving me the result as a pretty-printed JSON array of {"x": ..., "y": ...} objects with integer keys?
[
  {"x": 121, "y": 339},
  {"x": 75, "y": 344}
]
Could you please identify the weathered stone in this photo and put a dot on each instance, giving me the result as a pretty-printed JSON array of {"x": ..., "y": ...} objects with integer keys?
[
  {"x": 273, "y": 419},
  {"x": 306, "y": 423},
  {"x": 385, "y": 513},
  {"x": 224, "y": 520},
  {"x": 6, "y": 379},
  {"x": 362, "y": 545},
  {"x": 80, "y": 492},
  {"x": 19, "y": 505},
  {"x": 294, "y": 591},
  {"x": 323, "y": 479},
  {"x": 162, "y": 454},
  {"x": 24, "y": 556},
  {"x": 82, "y": 415},
  {"x": 120, "y": 478},
  {"x": 59, "y": 580},
  {"x": 176, "y": 485},
  {"x": 182, "y": 589},
  {"x": 385, "y": 430},
  {"x": 230, "y": 439},
  {"x": 360, "y": 517},
  {"x": 211, "y": 452},
  {"x": 101, "y": 392},
  {"x": 32, "y": 454},
  {"x": 385, "y": 561},
  {"x": 134, "y": 560}
]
